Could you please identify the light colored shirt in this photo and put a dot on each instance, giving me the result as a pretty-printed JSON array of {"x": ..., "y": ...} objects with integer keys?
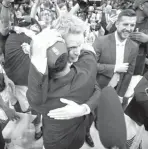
[{"x": 120, "y": 47}]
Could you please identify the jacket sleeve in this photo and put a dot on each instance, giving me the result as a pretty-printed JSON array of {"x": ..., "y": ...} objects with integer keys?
[
  {"x": 37, "y": 89},
  {"x": 126, "y": 78},
  {"x": 95, "y": 98},
  {"x": 105, "y": 69}
]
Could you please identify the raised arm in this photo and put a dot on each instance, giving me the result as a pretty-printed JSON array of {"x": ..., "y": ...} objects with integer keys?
[
  {"x": 5, "y": 17},
  {"x": 34, "y": 9}
]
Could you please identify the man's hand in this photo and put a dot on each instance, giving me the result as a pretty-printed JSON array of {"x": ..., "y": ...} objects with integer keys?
[
  {"x": 121, "y": 67},
  {"x": 139, "y": 36},
  {"x": 70, "y": 111},
  {"x": 11, "y": 114},
  {"x": 113, "y": 19},
  {"x": 43, "y": 41}
]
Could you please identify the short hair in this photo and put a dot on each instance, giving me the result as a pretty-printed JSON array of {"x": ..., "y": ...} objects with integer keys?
[
  {"x": 69, "y": 24},
  {"x": 126, "y": 12},
  {"x": 60, "y": 65}
]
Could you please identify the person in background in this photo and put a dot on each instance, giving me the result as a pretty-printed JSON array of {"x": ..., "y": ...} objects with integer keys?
[
  {"x": 141, "y": 35},
  {"x": 113, "y": 69}
]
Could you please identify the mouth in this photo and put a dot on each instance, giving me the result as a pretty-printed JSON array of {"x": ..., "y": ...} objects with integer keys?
[{"x": 126, "y": 33}]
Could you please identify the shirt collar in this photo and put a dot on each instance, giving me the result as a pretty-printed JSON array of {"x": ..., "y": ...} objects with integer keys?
[{"x": 118, "y": 42}]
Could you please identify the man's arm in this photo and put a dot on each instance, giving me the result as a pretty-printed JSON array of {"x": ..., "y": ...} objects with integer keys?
[
  {"x": 94, "y": 99},
  {"x": 37, "y": 87},
  {"x": 124, "y": 83},
  {"x": 34, "y": 8},
  {"x": 69, "y": 111},
  {"x": 105, "y": 69},
  {"x": 5, "y": 17},
  {"x": 38, "y": 73}
]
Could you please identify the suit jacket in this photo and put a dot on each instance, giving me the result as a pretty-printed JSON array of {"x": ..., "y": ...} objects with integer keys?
[
  {"x": 38, "y": 84},
  {"x": 44, "y": 95},
  {"x": 105, "y": 48}
]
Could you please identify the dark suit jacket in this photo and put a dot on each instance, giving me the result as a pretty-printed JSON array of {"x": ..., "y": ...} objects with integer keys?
[
  {"x": 38, "y": 84},
  {"x": 105, "y": 48},
  {"x": 44, "y": 95}
]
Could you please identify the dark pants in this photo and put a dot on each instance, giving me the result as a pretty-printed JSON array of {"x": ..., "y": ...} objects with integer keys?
[
  {"x": 90, "y": 118},
  {"x": 37, "y": 120},
  {"x": 78, "y": 136}
]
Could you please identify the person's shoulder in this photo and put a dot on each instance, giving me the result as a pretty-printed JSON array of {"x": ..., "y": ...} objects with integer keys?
[{"x": 104, "y": 38}]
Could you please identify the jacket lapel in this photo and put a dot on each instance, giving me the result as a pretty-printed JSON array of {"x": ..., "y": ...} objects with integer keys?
[
  {"x": 127, "y": 51},
  {"x": 112, "y": 47}
]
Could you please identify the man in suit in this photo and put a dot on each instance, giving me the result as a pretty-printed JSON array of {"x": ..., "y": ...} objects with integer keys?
[
  {"x": 116, "y": 54},
  {"x": 75, "y": 83},
  {"x": 141, "y": 36}
]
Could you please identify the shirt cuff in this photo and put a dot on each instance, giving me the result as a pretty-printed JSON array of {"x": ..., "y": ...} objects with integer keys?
[
  {"x": 87, "y": 109},
  {"x": 40, "y": 64}
]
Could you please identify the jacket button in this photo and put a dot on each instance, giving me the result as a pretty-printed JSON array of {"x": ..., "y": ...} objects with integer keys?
[{"x": 40, "y": 85}]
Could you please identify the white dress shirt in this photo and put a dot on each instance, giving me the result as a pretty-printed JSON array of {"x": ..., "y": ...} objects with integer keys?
[{"x": 120, "y": 48}]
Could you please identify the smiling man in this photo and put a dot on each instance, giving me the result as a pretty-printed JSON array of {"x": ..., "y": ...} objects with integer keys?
[{"x": 116, "y": 54}]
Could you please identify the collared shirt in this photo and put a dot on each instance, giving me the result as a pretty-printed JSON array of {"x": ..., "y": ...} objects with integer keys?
[{"x": 120, "y": 47}]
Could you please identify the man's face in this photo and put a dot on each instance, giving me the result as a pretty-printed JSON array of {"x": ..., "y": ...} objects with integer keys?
[
  {"x": 125, "y": 26},
  {"x": 73, "y": 42}
]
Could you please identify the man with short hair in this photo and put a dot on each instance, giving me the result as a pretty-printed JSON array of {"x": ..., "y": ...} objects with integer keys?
[
  {"x": 116, "y": 54},
  {"x": 141, "y": 35},
  {"x": 74, "y": 82}
]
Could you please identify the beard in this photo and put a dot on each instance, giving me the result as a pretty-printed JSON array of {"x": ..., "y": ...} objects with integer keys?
[{"x": 123, "y": 34}]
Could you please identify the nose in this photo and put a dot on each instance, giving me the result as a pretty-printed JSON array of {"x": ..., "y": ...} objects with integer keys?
[
  {"x": 77, "y": 52},
  {"x": 129, "y": 28}
]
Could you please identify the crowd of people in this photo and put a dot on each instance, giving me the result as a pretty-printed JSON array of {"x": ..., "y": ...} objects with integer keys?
[{"x": 72, "y": 63}]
